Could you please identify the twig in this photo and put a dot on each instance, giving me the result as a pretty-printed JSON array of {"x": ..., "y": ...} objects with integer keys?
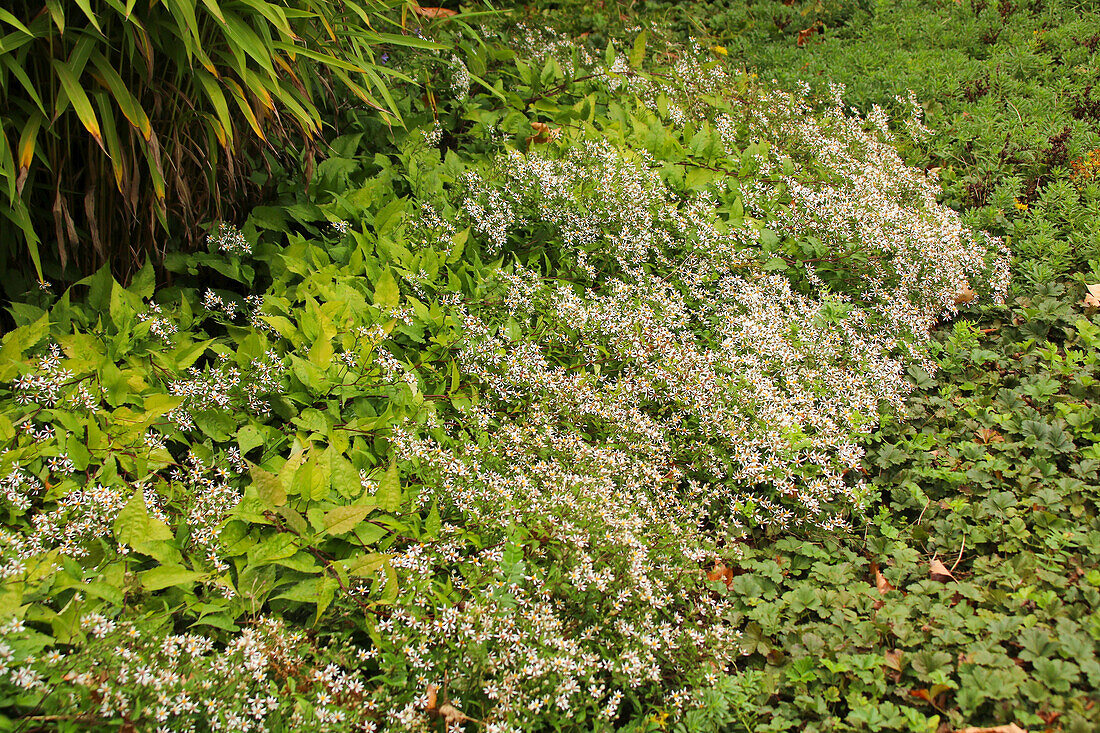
[{"x": 960, "y": 557}]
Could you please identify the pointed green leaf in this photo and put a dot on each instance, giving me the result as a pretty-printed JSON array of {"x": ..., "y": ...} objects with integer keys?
[
  {"x": 78, "y": 98},
  {"x": 133, "y": 525},
  {"x": 386, "y": 292},
  {"x": 433, "y": 524},
  {"x": 167, "y": 576},
  {"x": 126, "y": 101},
  {"x": 345, "y": 518},
  {"x": 388, "y": 495},
  {"x": 269, "y": 487}
]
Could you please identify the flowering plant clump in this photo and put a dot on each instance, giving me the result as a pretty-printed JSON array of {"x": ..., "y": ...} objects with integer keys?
[{"x": 497, "y": 443}]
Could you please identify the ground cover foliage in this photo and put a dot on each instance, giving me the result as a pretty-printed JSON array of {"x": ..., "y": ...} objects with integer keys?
[{"x": 548, "y": 411}]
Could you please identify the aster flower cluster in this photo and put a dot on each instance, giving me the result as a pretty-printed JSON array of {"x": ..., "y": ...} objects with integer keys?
[
  {"x": 43, "y": 387},
  {"x": 226, "y": 386},
  {"x": 159, "y": 325},
  {"x": 460, "y": 79},
  {"x": 186, "y": 682},
  {"x": 615, "y": 565},
  {"x": 81, "y": 515},
  {"x": 662, "y": 393},
  {"x": 228, "y": 239}
]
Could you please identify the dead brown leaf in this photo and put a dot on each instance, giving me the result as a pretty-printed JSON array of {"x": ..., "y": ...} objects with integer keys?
[
  {"x": 722, "y": 573},
  {"x": 893, "y": 659},
  {"x": 434, "y": 13},
  {"x": 543, "y": 133},
  {"x": 805, "y": 34},
  {"x": 451, "y": 714},
  {"x": 1010, "y": 728},
  {"x": 881, "y": 582},
  {"x": 433, "y": 691},
  {"x": 447, "y": 711},
  {"x": 989, "y": 435},
  {"x": 939, "y": 571},
  {"x": 965, "y": 295},
  {"x": 1092, "y": 298}
]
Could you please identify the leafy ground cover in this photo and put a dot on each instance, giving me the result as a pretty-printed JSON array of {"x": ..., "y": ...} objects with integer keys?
[{"x": 549, "y": 411}]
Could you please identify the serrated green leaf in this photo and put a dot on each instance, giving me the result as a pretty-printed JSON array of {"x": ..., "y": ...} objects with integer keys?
[
  {"x": 167, "y": 576},
  {"x": 386, "y": 291},
  {"x": 269, "y": 487},
  {"x": 345, "y": 518},
  {"x": 388, "y": 495},
  {"x": 133, "y": 525}
]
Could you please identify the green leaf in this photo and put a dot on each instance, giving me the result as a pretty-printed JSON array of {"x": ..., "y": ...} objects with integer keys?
[
  {"x": 458, "y": 245},
  {"x": 272, "y": 548},
  {"x": 7, "y": 17},
  {"x": 320, "y": 354},
  {"x": 79, "y": 99},
  {"x": 637, "y": 54},
  {"x": 306, "y": 591},
  {"x": 433, "y": 524},
  {"x": 133, "y": 525},
  {"x": 388, "y": 495},
  {"x": 322, "y": 474},
  {"x": 345, "y": 478},
  {"x": 167, "y": 576},
  {"x": 386, "y": 292},
  {"x": 345, "y": 518},
  {"x": 249, "y": 437},
  {"x": 269, "y": 487},
  {"x": 365, "y": 565},
  {"x": 127, "y": 102}
]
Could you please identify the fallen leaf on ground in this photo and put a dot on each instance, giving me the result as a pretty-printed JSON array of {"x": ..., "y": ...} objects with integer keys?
[
  {"x": 881, "y": 582},
  {"x": 804, "y": 35},
  {"x": 1092, "y": 299},
  {"x": 722, "y": 573},
  {"x": 965, "y": 295},
  {"x": 1010, "y": 728},
  {"x": 939, "y": 571}
]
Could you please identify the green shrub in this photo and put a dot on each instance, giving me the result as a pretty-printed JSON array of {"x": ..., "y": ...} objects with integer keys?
[{"x": 124, "y": 122}]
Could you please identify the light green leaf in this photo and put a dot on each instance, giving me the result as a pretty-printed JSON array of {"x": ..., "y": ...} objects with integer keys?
[
  {"x": 637, "y": 54},
  {"x": 365, "y": 565},
  {"x": 345, "y": 518},
  {"x": 386, "y": 292},
  {"x": 320, "y": 354},
  {"x": 269, "y": 487},
  {"x": 458, "y": 245},
  {"x": 167, "y": 576},
  {"x": 272, "y": 548},
  {"x": 248, "y": 437},
  {"x": 388, "y": 495},
  {"x": 345, "y": 479},
  {"x": 133, "y": 525}
]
